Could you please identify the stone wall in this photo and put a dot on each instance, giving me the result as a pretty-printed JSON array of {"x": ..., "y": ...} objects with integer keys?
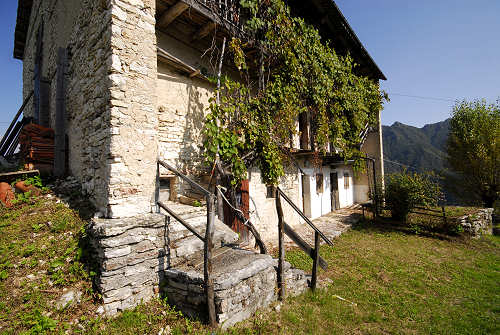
[
  {"x": 87, "y": 107},
  {"x": 182, "y": 106},
  {"x": 133, "y": 116},
  {"x": 133, "y": 254},
  {"x": 111, "y": 119},
  {"x": 58, "y": 18},
  {"x": 478, "y": 223},
  {"x": 182, "y": 103},
  {"x": 252, "y": 284},
  {"x": 84, "y": 28}
]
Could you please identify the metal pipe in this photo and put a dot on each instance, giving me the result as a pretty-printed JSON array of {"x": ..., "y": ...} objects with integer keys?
[{"x": 309, "y": 222}]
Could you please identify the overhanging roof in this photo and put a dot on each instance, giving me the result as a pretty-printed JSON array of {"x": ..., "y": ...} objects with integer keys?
[
  {"x": 22, "y": 24},
  {"x": 324, "y": 14}
]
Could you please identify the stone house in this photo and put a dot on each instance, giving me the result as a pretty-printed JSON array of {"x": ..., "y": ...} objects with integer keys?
[
  {"x": 134, "y": 89},
  {"x": 123, "y": 83}
]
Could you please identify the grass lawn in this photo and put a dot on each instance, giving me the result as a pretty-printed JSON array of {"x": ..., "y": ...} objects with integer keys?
[
  {"x": 394, "y": 282},
  {"x": 401, "y": 284}
]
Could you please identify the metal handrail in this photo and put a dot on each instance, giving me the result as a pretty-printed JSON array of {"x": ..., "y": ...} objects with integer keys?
[
  {"x": 309, "y": 222},
  {"x": 178, "y": 218},
  {"x": 208, "y": 244},
  {"x": 184, "y": 177},
  {"x": 13, "y": 123}
]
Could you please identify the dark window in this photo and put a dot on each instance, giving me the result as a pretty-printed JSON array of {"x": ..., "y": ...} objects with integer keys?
[
  {"x": 304, "y": 131},
  {"x": 319, "y": 183},
  {"x": 346, "y": 180},
  {"x": 271, "y": 191}
]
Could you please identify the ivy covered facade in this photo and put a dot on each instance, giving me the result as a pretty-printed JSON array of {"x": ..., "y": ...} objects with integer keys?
[{"x": 140, "y": 78}]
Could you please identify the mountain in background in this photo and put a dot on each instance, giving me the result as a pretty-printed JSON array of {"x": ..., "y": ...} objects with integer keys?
[{"x": 423, "y": 149}]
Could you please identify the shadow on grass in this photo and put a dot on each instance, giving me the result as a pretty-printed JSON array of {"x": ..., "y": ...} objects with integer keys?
[{"x": 386, "y": 224}]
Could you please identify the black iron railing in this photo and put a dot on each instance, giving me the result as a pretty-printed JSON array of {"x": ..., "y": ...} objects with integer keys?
[
  {"x": 313, "y": 253},
  {"x": 10, "y": 139}
]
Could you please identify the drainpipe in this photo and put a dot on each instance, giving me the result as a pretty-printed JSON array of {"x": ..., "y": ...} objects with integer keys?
[{"x": 372, "y": 160}]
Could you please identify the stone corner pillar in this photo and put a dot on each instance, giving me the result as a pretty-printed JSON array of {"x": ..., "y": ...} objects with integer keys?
[{"x": 134, "y": 121}]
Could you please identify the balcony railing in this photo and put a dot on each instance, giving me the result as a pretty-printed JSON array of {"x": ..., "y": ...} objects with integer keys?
[{"x": 227, "y": 10}]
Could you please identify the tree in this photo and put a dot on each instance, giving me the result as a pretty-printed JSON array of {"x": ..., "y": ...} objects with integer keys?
[{"x": 473, "y": 150}]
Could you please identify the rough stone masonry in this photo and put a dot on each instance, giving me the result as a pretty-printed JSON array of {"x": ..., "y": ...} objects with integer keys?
[{"x": 143, "y": 257}]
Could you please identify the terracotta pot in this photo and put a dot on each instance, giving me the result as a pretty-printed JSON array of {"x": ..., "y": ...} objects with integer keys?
[
  {"x": 6, "y": 195},
  {"x": 21, "y": 186}
]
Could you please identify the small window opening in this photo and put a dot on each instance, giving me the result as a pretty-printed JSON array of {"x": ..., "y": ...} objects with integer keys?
[
  {"x": 270, "y": 191},
  {"x": 319, "y": 183},
  {"x": 346, "y": 180}
]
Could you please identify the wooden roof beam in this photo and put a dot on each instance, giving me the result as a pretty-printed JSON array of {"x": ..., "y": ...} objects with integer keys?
[
  {"x": 172, "y": 13},
  {"x": 204, "y": 31}
]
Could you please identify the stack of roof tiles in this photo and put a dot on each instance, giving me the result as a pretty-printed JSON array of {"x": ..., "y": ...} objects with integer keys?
[{"x": 37, "y": 147}]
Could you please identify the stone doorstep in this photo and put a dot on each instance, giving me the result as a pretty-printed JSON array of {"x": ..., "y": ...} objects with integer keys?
[{"x": 229, "y": 267}]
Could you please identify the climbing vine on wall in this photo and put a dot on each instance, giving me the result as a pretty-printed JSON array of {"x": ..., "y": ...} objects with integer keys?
[{"x": 285, "y": 69}]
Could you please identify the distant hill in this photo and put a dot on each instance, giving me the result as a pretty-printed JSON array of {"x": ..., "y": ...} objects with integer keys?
[{"x": 422, "y": 148}]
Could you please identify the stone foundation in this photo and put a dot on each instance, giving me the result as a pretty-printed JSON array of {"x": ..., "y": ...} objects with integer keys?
[
  {"x": 133, "y": 253},
  {"x": 144, "y": 256}
]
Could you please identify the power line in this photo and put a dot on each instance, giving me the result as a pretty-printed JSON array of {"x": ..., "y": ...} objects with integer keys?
[
  {"x": 422, "y": 97},
  {"x": 401, "y": 164}
]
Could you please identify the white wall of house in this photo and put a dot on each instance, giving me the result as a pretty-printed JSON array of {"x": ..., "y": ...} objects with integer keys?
[
  {"x": 318, "y": 200},
  {"x": 263, "y": 207},
  {"x": 346, "y": 194}
]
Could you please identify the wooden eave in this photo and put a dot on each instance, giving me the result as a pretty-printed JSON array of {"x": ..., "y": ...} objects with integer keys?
[
  {"x": 194, "y": 17},
  {"x": 181, "y": 66},
  {"x": 22, "y": 25}
]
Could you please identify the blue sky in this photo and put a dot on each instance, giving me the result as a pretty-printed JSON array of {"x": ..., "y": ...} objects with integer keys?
[
  {"x": 445, "y": 49},
  {"x": 10, "y": 68},
  {"x": 439, "y": 49}
]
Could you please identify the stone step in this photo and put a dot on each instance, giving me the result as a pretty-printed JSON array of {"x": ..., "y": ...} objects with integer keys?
[
  {"x": 186, "y": 210},
  {"x": 243, "y": 282}
]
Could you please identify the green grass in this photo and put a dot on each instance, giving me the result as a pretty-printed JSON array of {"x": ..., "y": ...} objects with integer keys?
[
  {"x": 401, "y": 284},
  {"x": 40, "y": 255},
  {"x": 392, "y": 282}
]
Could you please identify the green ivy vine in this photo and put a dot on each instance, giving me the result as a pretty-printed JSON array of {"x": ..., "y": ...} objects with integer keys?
[{"x": 285, "y": 69}]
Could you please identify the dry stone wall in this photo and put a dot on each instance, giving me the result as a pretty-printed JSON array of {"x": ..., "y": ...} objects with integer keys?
[
  {"x": 111, "y": 95},
  {"x": 239, "y": 290},
  {"x": 478, "y": 223},
  {"x": 133, "y": 116},
  {"x": 132, "y": 254}
]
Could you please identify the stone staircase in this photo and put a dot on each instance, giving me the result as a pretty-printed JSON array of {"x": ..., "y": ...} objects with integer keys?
[
  {"x": 151, "y": 255},
  {"x": 244, "y": 281}
]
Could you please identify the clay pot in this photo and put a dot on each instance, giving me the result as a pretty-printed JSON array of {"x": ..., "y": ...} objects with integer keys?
[
  {"x": 6, "y": 195},
  {"x": 21, "y": 186}
]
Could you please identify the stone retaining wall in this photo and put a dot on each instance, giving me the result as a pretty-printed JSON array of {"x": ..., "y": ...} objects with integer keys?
[
  {"x": 133, "y": 253},
  {"x": 237, "y": 296},
  {"x": 478, "y": 223}
]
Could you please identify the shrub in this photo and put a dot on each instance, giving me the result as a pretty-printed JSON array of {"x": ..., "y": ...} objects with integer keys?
[
  {"x": 377, "y": 196},
  {"x": 404, "y": 191}
]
